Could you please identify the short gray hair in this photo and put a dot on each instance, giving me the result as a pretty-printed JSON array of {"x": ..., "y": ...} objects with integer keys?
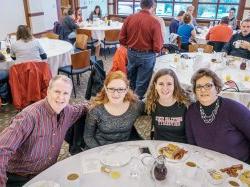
[
  {"x": 245, "y": 20},
  {"x": 62, "y": 78}
]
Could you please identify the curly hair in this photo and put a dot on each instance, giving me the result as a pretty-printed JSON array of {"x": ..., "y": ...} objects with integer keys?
[
  {"x": 152, "y": 96},
  {"x": 102, "y": 97},
  {"x": 23, "y": 33}
]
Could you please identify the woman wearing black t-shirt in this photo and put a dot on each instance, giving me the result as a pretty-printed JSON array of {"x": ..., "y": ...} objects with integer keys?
[{"x": 167, "y": 104}]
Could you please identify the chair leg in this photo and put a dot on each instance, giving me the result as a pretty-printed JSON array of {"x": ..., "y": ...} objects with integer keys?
[
  {"x": 104, "y": 51},
  {"x": 78, "y": 79},
  {"x": 74, "y": 89}
]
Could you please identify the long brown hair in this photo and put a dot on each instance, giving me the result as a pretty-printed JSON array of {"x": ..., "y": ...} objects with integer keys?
[
  {"x": 23, "y": 33},
  {"x": 102, "y": 97},
  {"x": 152, "y": 96}
]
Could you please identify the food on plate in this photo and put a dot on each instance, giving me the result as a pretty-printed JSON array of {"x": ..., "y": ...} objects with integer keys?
[
  {"x": 115, "y": 174},
  {"x": 191, "y": 164},
  {"x": 216, "y": 175},
  {"x": 233, "y": 170},
  {"x": 233, "y": 183},
  {"x": 172, "y": 151},
  {"x": 72, "y": 176},
  {"x": 245, "y": 177}
]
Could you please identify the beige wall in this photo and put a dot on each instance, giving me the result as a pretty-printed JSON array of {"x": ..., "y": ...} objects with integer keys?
[{"x": 11, "y": 15}]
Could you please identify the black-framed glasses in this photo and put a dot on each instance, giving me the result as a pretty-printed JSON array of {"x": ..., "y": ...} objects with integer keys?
[
  {"x": 207, "y": 86},
  {"x": 118, "y": 90}
]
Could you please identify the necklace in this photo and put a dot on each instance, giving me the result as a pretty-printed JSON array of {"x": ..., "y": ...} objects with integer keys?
[{"x": 208, "y": 119}]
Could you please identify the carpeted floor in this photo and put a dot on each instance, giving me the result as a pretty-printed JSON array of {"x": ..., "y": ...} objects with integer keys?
[{"x": 8, "y": 111}]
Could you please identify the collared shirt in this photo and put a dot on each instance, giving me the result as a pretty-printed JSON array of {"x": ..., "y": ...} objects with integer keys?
[
  {"x": 33, "y": 140},
  {"x": 220, "y": 33},
  {"x": 142, "y": 31}
]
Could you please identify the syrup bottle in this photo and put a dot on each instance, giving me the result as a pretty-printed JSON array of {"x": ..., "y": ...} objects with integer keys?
[{"x": 159, "y": 169}]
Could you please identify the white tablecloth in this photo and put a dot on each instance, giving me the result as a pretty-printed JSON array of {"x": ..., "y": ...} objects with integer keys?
[
  {"x": 185, "y": 69},
  {"x": 179, "y": 172},
  {"x": 58, "y": 53},
  {"x": 97, "y": 31}
]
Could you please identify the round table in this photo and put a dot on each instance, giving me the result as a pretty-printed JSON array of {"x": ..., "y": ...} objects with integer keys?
[
  {"x": 58, "y": 54},
  {"x": 185, "y": 68},
  {"x": 88, "y": 163},
  {"x": 97, "y": 31}
]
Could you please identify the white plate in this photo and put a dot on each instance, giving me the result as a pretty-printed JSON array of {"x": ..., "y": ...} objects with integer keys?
[
  {"x": 214, "y": 181},
  {"x": 186, "y": 155},
  {"x": 115, "y": 157},
  {"x": 44, "y": 184}
]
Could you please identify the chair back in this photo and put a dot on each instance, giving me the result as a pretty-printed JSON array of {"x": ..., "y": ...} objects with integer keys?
[
  {"x": 194, "y": 48},
  {"x": 29, "y": 82},
  {"x": 84, "y": 31},
  {"x": 50, "y": 35},
  {"x": 81, "y": 41},
  {"x": 217, "y": 45},
  {"x": 81, "y": 59},
  {"x": 112, "y": 35}
]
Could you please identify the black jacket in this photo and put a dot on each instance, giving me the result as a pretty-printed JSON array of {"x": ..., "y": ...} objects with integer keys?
[
  {"x": 230, "y": 49},
  {"x": 96, "y": 79}
]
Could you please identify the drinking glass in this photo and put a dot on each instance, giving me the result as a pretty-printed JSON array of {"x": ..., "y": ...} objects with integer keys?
[{"x": 135, "y": 167}]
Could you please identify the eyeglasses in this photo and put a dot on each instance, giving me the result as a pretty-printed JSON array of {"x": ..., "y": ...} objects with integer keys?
[
  {"x": 118, "y": 90},
  {"x": 207, "y": 86}
]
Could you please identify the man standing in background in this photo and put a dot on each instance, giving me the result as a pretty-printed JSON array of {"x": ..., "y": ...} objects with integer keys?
[{"x": 141, "y": 33}]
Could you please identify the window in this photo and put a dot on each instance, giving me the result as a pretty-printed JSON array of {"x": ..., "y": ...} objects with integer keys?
[
  {"x": 207, "y": 9},
  {"x": 166, "y": 8},
  {"x": 216, "y": 9}
]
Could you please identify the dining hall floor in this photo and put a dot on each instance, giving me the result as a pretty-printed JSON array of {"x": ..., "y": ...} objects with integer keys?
[{"x": 8, "y": 111}]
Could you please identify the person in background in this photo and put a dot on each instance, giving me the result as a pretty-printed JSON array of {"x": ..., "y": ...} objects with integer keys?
[
  {"x": 97, "y": 13},
  {"x": 221, "y": 33},
  {"x": 167, "y": 104},
  {"x": 232, "y": 18},
  {"x": 26, "y": 47},
  {"x": 78, "y": 16},
  {"x": 4, "y": 91},
  {"x": 162, "y": 23},
  {"x": 70, "y": 26},
  {"x": 175, "y": 22},
  {"x": 33, "y": 140},
  {"x": 190, "y": 10},
  {"x": 217, "y": 123},
  {"x": 143, "y": 42},
  {"x": 186, "y": 31},
  {"x": 113, "y": 112},
  {"x": 239, "y": 44}
]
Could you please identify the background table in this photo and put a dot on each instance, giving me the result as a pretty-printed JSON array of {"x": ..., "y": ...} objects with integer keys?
[
  {"x": 97, "y": 31},
  {"x": 58, "y": 54},
  {"x": 185, "y": 68},
  {"x": 176, "y": 171}
]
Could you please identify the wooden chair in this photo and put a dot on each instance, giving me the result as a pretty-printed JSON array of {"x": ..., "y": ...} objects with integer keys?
[
  {"x": 91, "y": 41},
  {"x": 80, "y": 64},
  {"x": 217, "y": 46},
  {"x": 50, "y": 35},
  {"x": 111, "y": 38},
  {"x": 81, "y": 41},
  {"x": 194, "y": 48}
]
